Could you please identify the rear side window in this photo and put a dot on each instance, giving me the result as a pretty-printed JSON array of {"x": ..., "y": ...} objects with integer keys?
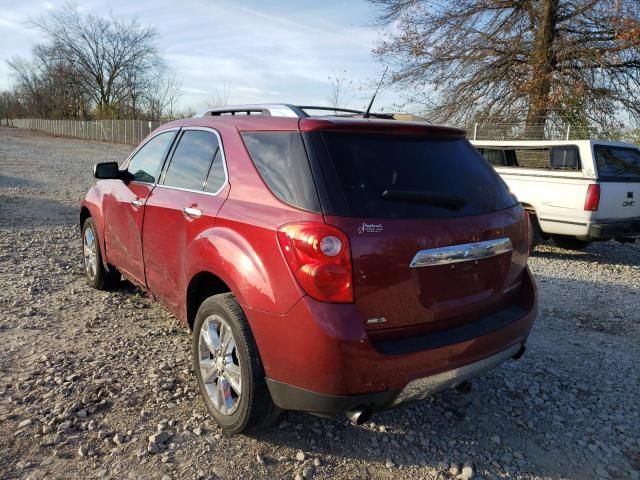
[
  {"x": 282, "y": 162},
  {"x": 146, "y": 164},
  {"x": 617, "y": 162},
  {"x": 192, "y": 159},
  {"x": 565, "y": 158},
  {"x": 217, "y": 175},
  {"x": 560, "y": 157},
  {"x": 494, "y": 157},
  {"x": 423, "y": 177}
]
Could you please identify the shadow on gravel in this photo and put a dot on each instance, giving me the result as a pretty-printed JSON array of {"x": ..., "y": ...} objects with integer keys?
[
  {"x": 422, "y": 434},
  {"x": 609, "y": 253},
  {"x": 20, "y": 212},
  {"x": 7, "y": 181}
]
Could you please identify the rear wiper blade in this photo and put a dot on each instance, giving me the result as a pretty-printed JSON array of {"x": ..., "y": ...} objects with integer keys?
[{"x": 442, "y": 200}]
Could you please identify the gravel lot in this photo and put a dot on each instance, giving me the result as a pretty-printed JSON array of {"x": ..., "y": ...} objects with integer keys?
[{"x": 86, "y": 376}]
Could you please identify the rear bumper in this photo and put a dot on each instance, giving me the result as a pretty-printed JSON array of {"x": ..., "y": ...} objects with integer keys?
[
  {"x": 290, "y": 397},
  {"x": 318, "y": 357},
  {"x": 615, "y": 229}
]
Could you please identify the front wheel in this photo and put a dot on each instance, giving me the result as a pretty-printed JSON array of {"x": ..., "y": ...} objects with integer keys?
[
  {"x": 228, "y": 367},
  {"x": 97, "y": 275},
  {"x": 570, "y": 243}
]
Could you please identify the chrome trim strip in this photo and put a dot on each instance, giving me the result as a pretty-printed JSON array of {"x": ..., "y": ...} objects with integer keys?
[
  {"x": 562, "y": 221},
  {"x": 466, "y": 252},
  {"x": 427, "y": 386}
]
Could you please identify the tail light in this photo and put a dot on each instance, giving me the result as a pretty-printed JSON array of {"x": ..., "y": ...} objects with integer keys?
[
  {"x": 319, "y": 257},
  {"x": 592, "y": 201}
]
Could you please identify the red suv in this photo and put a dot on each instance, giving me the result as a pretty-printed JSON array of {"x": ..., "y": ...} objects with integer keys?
[{"x": 336, "y": 264}]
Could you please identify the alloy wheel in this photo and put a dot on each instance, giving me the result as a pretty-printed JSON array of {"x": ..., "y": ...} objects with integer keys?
[
  {"x": 219, "y": 364},
  {"x": 90, "y": 253}
]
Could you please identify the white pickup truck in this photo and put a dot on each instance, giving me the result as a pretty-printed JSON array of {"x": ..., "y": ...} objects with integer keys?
[{"x": 576, "y": 192}]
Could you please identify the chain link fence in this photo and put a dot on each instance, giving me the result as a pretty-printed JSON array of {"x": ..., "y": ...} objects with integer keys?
[
  {"x": 117, "y": 131},
  {"x": 133, "y": 131},
  {"x": 511, "y": 131}
]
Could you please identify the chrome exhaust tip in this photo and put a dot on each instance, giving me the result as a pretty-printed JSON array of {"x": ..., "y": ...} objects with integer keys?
[{"x": 359, "y": 416}]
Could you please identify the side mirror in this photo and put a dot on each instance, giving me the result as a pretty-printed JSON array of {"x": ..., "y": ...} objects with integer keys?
[{"x": 106, "y": 170}]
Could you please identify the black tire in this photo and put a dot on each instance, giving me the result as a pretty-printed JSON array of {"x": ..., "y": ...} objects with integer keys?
[
  {"x": 101, "y": 279},
  {"x": 536, "y": 231},
  {"x": 570, "y": 243},
  {"x": 255, "y": 409}
]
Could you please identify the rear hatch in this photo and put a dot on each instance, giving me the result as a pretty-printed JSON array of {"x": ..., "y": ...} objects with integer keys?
[
  {"x": 436, "y": 238},
  {"x": 619, "y": 177}
]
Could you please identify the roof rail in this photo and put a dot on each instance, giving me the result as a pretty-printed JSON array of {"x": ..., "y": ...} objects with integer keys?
[
  {"x": 274, "y": 110},
  {"x": 330, "y": 109},
  {"x": 281, "y": 110}
]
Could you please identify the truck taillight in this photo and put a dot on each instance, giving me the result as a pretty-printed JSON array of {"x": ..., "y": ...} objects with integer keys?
[
  {"x": 320, "y": 259},
  {"x": 592, "y": 201}
]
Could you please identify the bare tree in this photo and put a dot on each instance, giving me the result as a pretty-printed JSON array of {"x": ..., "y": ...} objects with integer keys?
[
  {"x": 108, "y": 55},
  {"x": 219, "y": 98},
  {"x": 162, "y": 95},
  {"x": 10, "y": 106},
  {"x": 516, "y": 59},
  {"x": 341, "y": 93},
  {"x": 47, "y": 86}
]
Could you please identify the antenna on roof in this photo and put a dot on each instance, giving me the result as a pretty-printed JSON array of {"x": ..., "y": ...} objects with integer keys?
[{"x": 366, "y": 112}]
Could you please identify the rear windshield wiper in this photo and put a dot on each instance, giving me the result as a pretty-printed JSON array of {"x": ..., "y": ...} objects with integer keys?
[{"x": 442, "y": 200}]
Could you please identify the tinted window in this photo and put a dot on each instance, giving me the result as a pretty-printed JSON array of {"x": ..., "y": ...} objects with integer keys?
[
  {"x": 494, "y": 157},
  {"x": 617, "y": 162},
  {"x": 429, "y": 177},
  {"x": 216, "y": 177},
  {"x": 281, "y": 159},
  {"x": 565, "y": 157},
  {"x": 146, "y": 164},
  {"x": 562, "y": 157},
  {"x": 191, "y": 160}
]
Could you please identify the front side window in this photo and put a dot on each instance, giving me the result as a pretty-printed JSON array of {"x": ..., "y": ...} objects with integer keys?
[
  {"x": 617, "y": 162},
  {"x": 146, "y": 164},
  {"x": 192, "y": 159}
]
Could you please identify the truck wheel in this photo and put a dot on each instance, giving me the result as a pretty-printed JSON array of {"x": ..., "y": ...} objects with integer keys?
[
  {"x": 97, "y": 275},
  {"x": 570, "y": 243},
  {"x": 228, "y": 367},
  {"x": 536, "y": 231}
]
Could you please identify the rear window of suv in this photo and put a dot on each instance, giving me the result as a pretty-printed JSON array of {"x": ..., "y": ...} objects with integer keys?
[{"x": 401, "y": 176}]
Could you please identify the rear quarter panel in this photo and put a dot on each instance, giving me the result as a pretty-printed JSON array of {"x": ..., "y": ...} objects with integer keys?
[{"x": 242, "y": 248}]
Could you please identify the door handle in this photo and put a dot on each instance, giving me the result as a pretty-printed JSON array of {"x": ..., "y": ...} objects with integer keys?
[
  {"x": 192, "y": 212},
  {"x": 137, "y": 203}
]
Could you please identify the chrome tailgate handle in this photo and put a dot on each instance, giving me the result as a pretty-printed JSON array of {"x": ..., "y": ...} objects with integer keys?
[
  {"x": 466, "y": 252},
  {"x": 192, "y": 212}
]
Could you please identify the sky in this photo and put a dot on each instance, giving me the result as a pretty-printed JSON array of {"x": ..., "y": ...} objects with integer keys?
[{"x": 249, "y": 51}]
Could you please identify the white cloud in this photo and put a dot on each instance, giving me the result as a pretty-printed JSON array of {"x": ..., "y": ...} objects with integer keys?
[{"x": 258, "y": 51}]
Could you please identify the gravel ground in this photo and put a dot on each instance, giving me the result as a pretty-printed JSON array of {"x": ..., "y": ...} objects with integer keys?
[{"x": 86, "y": 377}]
